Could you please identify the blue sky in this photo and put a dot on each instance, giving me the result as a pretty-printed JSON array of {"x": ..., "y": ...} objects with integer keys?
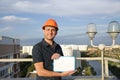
[{"x": 23, "y": 19}]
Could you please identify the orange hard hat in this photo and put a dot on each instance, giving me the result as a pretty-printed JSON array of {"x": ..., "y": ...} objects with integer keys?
[{"x": 50, "y": 23}]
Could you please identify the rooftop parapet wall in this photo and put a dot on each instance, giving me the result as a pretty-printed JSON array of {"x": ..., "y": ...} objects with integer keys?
[{"x": 8, "y": 40}]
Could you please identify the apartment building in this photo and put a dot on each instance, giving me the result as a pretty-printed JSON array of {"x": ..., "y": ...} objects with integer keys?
[
  {"x": 27, "y": 50},
  {"x": 9, "y": 48}
]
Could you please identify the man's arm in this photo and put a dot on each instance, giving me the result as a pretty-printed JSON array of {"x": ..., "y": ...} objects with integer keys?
[{"x": 43, "y": 72}]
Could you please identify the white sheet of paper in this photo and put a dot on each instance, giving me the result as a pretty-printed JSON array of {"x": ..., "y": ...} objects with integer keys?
[{"x": 64, "y": 63}]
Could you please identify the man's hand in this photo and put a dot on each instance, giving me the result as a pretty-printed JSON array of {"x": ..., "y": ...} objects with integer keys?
[
  {"x": 68, "y": 73},
  {"x": 55, "y": 56}
]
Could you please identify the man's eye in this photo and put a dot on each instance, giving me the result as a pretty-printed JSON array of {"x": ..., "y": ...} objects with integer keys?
[
  {"x": 47, "y": 29},
  {"x": 54, "y": 30}
]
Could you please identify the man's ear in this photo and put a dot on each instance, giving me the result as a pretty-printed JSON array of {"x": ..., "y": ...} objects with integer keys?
[{"x": 43, "y": 30}]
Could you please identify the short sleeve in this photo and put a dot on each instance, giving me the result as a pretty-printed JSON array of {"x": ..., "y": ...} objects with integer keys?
[
  {"x": 36, "y": 54},
  {"x": 59, "y": 50}
]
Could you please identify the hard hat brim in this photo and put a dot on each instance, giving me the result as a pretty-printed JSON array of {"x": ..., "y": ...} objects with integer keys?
[{"x": 50, "y": 26}]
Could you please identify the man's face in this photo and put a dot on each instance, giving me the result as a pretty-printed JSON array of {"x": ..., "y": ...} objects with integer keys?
[{"x": 49, "y": 33}]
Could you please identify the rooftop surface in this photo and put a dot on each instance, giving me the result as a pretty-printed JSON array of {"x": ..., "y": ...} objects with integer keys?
[{"x": 69, "y": 78}]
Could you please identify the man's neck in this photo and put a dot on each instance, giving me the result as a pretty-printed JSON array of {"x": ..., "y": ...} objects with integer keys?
[{"x": 49, "y": 41}]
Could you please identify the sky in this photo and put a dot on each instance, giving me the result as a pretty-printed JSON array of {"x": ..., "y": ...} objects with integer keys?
[{"x": 23, "y": 19}]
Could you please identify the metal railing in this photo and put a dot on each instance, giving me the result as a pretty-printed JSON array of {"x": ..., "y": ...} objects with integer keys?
[{"x": 106, "y": 59}]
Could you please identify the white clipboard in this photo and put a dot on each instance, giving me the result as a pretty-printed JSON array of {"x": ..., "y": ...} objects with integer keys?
[{"x": 64, "y": 63}]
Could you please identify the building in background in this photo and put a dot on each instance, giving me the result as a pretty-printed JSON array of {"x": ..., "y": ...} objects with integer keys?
[
  {"x": 26, "y": 50},
  {"x": 9, "y": 49}
]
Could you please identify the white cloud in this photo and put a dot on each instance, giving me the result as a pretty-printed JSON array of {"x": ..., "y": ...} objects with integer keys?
[
  {"x": 5, "y": 29},
  {"x": 13, "y": 18},
  {"x": 64, "y": 7}
]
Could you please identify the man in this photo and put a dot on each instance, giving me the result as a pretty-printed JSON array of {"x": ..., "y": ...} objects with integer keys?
[{"x": 46, "y": 51}]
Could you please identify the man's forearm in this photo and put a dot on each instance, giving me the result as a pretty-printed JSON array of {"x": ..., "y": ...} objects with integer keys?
[{"x": 49, "y": 73}]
